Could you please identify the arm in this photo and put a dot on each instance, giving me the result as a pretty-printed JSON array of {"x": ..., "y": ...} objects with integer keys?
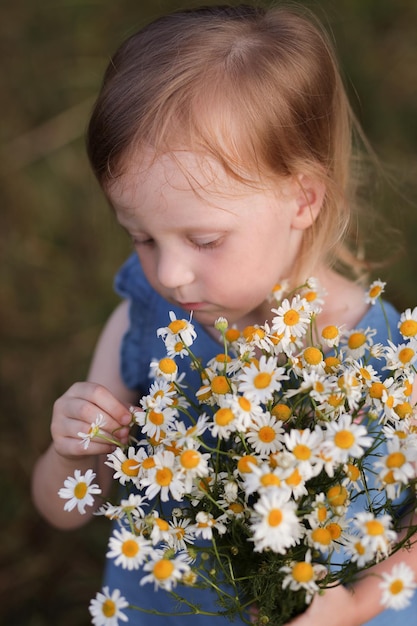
[
  {"x": 105, "y": 393},
  {"x": 360, "y": 603}
]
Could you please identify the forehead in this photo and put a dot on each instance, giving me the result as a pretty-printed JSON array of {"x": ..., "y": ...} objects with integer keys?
[{"x": 179, "y": 172}]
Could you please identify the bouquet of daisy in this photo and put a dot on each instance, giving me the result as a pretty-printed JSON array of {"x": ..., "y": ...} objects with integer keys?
[{"x": 287, "y": 471}]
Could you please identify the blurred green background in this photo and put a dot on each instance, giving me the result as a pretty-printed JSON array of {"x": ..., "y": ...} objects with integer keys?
[{"x": 60, "y": 245}]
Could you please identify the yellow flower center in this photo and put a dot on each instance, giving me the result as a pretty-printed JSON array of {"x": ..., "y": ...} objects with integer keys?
[
  {"x": 403, "y": 410},
  {"x": 303, "y": 572},
  {"x": 310, "y": 296},
  {"x": 335, "y": 400},
  {"x": 376, "y": 390},
  {"x": 163, "y": 569},
  {"x": 161, "y": 523},
  {"x": 322, "y": 513},
  {"x": 373, "y": 527},
  {"x": 232, "y": 334},
  {"x": 148, "y": 463},
  {"x": 352, "y": 472},
  {"x": 294, "y": 479},
  {"x": 321, "y": 536},
  {"x": 108, "y": 608},
  {"x": 80, "y": 490},
  {"x": 244, "y": 404},
  {"x": 291, "y": 317},
  {"x": 270, "y": 480},
  {"x": 302, "y": 452},
  {"x": 405, "y": 355},
  {"x": 275, "y": 517},
  {"x": 408, "y": 328},
  {"x": 130, "y": 548},
  {"x": 163, "y": 476},
  {"x": 167, "y": 365},
  {"x": 359, "y": 548},
  {"x": 335, "y": 530},
  {"x": 190, "y": 459},
  {"x": 313, "y": 356},
  {"x": 281, "y": 412},
  {"x": 331, "y": 363},
  {"x": 337, "y": 495},
  {"x": 330, "y": 332},
  {"x": 223, "y": 416},
  {"x": 223, "y": 358},
  {"x": 220, "y": 385},
  {"x": 344, "y": 439},
  {"x": 396, "y": 586},
  {"x": 262, "y": 380},
  {"x": 177, "y": 326},
  {"x": 356, "y": 340},
  {"x": 375, "y": 291},
  {"x": 130, "y": 467},
  {"x": 236, "y": 507},
  {"x": 266, "y": 434},
  {"x": 156, "y": 418},
  {"x": 244, "y": 462},
  {"x": 251, "y": 333},
  {"x": 395, "y": 459},
  {"x": 178, "y": 346}
]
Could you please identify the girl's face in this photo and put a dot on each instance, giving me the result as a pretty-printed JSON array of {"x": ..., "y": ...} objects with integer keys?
[{"x": 206, "y": 242}]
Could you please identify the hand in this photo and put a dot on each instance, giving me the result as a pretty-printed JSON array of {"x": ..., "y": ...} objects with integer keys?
[
  {"x": 77, "y": 409},
  {"x": 334, "y": 607}
]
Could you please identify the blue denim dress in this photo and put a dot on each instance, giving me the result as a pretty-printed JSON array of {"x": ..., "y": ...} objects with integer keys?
[{"x": 148, "y": 312}]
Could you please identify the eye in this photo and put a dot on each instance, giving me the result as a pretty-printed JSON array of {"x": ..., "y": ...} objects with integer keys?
[
  {"x": 205, "y": 244},
  {"x": 142, "y": 242}
]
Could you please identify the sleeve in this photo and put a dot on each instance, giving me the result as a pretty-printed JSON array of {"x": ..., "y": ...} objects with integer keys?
[{"x": 130, "y": 283}]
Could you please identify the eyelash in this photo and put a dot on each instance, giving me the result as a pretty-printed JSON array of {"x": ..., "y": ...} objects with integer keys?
[{"x": 210, "y": 245}]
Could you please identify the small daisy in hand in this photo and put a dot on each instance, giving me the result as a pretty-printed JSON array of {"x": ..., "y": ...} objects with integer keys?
[
  {"x": 79, "y": 491},
  {"x": 106, "y": 609},
  {"x": 93, "y": 431},
  {"x": 398, "y": 587}
]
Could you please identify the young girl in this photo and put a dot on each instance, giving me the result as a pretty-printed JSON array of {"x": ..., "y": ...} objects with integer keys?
[{"x": 222, "y": 138}]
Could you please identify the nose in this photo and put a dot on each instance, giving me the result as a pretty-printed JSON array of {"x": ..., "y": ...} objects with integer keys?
[{"x": 174, "y": 270}]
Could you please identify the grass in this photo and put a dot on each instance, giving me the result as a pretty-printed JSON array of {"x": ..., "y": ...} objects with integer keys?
[{"x": 61, "y": 246}]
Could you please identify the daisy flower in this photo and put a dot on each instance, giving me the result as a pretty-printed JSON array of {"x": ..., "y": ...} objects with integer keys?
[
  {"x": 163, "y": 478},
  {"x": 274, "y": 524},
  {"x": 408, "y": 323},
  {"x": 180, "y": 533},
  {"x": 106, "y": 609},
  {"x": 204, "y": 524},
  {"x": 260, "y": 380},
  {"x": 375, "y": 533},
  {"x": 158, "y": 420},
  {"x": 358, "y": 342},
  {"x": 264, "y": 477},
  {"x": 356, "y": 551},
  {"x": 346, "y": 439},
  {"x": 303, "y": 575},
  {"x": 192, "y": 464},
  {"x": 164, "y": 572},
  {"x": 396, "y": 468},
  {"x": 305, "y": 445},
  {"x": 398, "y": 587},
  {"x": 314, "y": 293},
  {"x": 78, "y": 491},
  {"x": 376, "y": 289},
  {"x": 161, "y": 395},
  {"x": 177, "y": 335},
  {"x": 265, "y": 434},
  {"x": 331, "y": 335},
  {"x": 293, "y": 318},
  {"x": 126, "y": 465},
  {"x": 93, "y": 431},
  {"x": 224, "y": 422},
  {"x": 127, "y": 549},
  {"x": 401, "y": 356},
  {"x": 279, "y": 290},
  {"x": 245, "y": 409}
]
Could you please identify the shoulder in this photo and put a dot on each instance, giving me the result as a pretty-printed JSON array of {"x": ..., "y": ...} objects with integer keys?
[{"x": 105, "y": 365}]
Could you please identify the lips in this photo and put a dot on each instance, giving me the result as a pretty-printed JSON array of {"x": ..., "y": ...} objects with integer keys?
[{"x": 192, "y": 306}]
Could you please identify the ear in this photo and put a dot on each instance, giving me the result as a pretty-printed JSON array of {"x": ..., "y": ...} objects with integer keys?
[{"x": 309, "y": 195}]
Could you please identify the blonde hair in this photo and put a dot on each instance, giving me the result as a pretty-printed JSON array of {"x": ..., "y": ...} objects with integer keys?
[{"x": 257, "y": 89}]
